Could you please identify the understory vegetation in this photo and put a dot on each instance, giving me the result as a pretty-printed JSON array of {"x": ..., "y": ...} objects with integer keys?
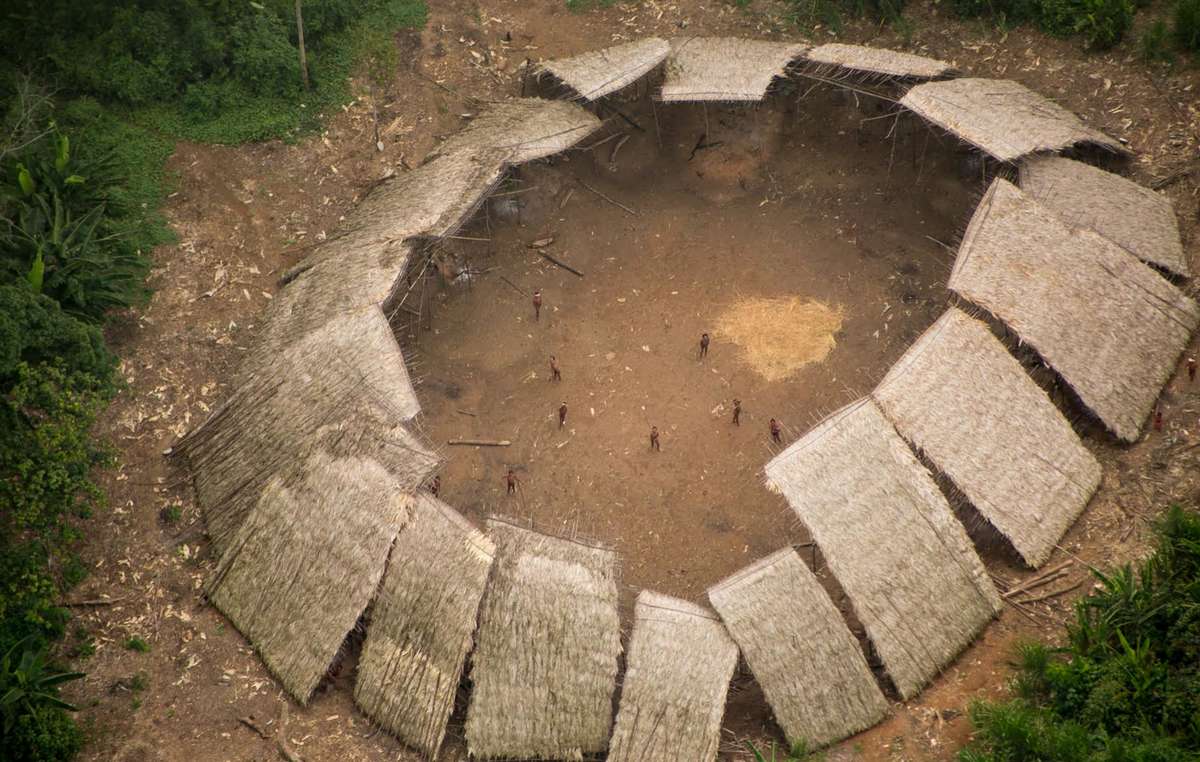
[
  {"x": 93, "y": 95},
  {"x": 1126, "y": 686}
]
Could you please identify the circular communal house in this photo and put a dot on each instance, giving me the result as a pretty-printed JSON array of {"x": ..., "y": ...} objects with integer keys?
[{"x": 311, "y": 473}]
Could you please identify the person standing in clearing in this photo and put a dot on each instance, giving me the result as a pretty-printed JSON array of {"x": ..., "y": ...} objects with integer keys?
[
  {"x": 511, "y": 479},
  {"x": 435, "y": 486},
  {"x": 776, "y": 430},
  {"x": 562, "y": 415},
  {"x": 703, "y": 346},
  {"x": 737, "y": 412},
  {"x": 555, "y": 375},
  {"x": 654, "y": 439},
  {"x": 537, "y": 305}
]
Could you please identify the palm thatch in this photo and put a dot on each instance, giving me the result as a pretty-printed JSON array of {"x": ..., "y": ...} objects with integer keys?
[
  {"x": 809, "y": 665},
  {"x": 1135, "y": 218},
  {"x": 301, "y": 568},
  {"x": 545, "y": 667},
  {"x": 962, "y": 399},
  {"x": 524, "y": 128},
  {"x": 1002, "y": 118},
  {"x": 877, "y": 62},
  {"x": 678, "y": 671},
  {"x": 342, "y": 388},
  {"x": 599, "y": 72},
  {"x": 1108, "y": 324},
  {"x": 724, "y": 68},
  {"x": 422, "y": 624},
  {"x": 365, "y": 262},
  {"x": 890, "y": 539}
]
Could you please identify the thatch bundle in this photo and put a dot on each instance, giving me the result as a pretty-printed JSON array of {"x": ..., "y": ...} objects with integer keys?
[
  {"x": 724, "y": 68},
  {"x": 1135, "y": 218},
  {"x": 809, "y": 665},
  {"x": 599, "y": 72},
  {"x": 678, "y": 671},
  {"x": 342, "y": 388},
  {"x": 301, "y": 568},
  {"x": 878, "y": 62},
  {"x": 1002, "y": 118},
  {"x": 545, "y": 667},
  {"x": 1108, "y": 324},
  {"x": 422, "y": 624},
  {"x": 524, "y": 128},
  {"x": 890, "y": 539},
  {"x": 961, "y": 398}
]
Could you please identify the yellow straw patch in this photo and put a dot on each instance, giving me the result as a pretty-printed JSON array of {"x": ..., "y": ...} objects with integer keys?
[{"x": 780, "y": 336}]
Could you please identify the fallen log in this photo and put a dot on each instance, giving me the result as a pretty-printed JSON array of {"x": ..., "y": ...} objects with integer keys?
[
  {"x": 479, "y": 442},
  {"x": 561, "y": 263}
]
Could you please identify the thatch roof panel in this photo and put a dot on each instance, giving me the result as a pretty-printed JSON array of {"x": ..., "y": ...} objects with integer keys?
[
  {"x": 809, "y": 665},
  {"x": 724, "y": 68},
  {"x": 1002, "y": 118},
  {"x": 890, "y": 539},
  {"x": 1135, "y": 218},
  {"x": 302, "y": 567},
  {"x": 545, "y": 667},
  {"x": 1108, "y": 324},
  {"x": 961, "y": 398},
  {"x": 342, "y": 388},
  {"x": 523, "y": 129},
  {"x": 676, "y": 677},
  {"x": 599, "y": 72},
  {"x": 422, "y": 624},
  {"x": 878, "y": 61}
]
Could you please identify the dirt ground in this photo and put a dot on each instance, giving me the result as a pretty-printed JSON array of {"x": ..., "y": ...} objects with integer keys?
[{"x": 819, "y": 218}]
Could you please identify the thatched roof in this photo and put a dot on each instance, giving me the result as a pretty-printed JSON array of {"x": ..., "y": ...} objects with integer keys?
[
  {"x": 1108, "y": 324},
  {"x": 890, "y": 539},
  {"x": 1135, "y": 218},
  {"x": 809, "y": 665},
  {"x": 545, "y": 667},
  {"x": 961, "y": 398},
  {"x": 422, "y": 624},
  {"x": 678, "y": 671},
  {"x": 599, "y": 72},
  {"x": 302, "y": 567},
  {"x": 524, "y": 129},
  {"x": 342, "y": 388},
  {"x": 878, "y": 62},
  {"x": 1002, "y": 118},
  {"x": 724, "y": 68}
]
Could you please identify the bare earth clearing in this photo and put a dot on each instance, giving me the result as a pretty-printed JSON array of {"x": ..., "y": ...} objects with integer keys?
[{"x": 796, "y": 202}]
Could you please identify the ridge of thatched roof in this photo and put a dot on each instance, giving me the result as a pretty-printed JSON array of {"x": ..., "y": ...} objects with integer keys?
[
  {"x": 724, "y": 68},
  {"x": 1134, "y": 217},
  {"x": 422, "y": 624},
  {"x": 523, "y": 129},
  {"x": 807, "y": 662},
  {"x": 545, "y": 666},
  {"x": 879, "y": 62},
  {"x": 300, "y": 570},
  {"x": 1002, "y": 118},
  {"x": 890, "y": 539},
  {"x": 599, "y": 72},
  {"x": 1108, "y": 324},
  {"x": 676, "y": 677},
  {"x": 959, "y": 396},
  {"x": 342, "y": 388}
]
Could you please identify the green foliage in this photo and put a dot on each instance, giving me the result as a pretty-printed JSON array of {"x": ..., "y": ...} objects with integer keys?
[
  {"x": 56, "y": 232},
  {"x": 1101, "y": 23},
  {"x": 830, "y": 13},
  {"x": 798, "y": 752},
  {"x": 136, "y": 643},
  {"x": 1154, "y": 44},
  {"x": 32, "y": 719},
  {"x": 1129, "y": 685},
  {"x": 171, "y": 514},
  {"x": 1186, "y": 27}
]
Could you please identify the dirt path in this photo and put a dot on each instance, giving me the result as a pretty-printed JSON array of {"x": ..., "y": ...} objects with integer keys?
[{"x": 243, "y": 214}]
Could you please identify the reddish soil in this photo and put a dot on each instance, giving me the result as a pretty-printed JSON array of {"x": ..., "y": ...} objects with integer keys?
[{"x": 242, "y": 214}]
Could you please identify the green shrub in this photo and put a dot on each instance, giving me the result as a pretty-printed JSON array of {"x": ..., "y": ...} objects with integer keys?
[
  {"x": 136, "y": 643},
  {"x": 46, "y": 735},
  {"x": 1186, "y": 28},
  {"x": 1127, "y": 685},
  {"x": 33, "y": 718},
  {"x": 1154, "y": 43},
  {"x": 1103, "y": 23}
]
